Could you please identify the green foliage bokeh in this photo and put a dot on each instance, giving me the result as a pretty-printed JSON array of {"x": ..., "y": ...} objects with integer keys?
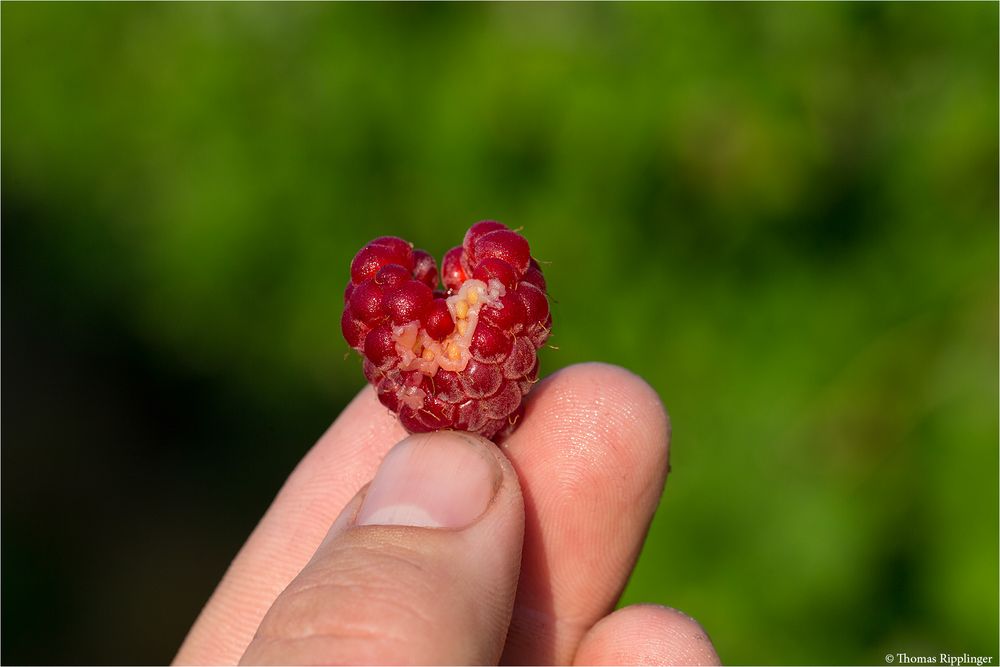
[{"x": 782, "y": 216}]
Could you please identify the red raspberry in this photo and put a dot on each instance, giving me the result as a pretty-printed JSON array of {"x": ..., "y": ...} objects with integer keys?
[{"x": 463, "y": 358}]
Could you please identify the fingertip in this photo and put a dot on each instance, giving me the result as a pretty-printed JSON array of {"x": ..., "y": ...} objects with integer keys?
[
  {"x": 647, "y": 635},
  {"x": 639, "y": 402},
  {"x": 617, "y": 413},
  {"x": 445, "y": 479}
]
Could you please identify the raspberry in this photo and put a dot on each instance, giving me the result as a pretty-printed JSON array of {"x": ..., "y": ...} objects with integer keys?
[{"x": 463, "y": 357}]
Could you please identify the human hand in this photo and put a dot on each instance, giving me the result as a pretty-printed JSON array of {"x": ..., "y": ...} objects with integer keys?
[{"x": 459, "y": 551}]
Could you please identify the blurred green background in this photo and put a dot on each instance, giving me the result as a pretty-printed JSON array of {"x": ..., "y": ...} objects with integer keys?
[{"x": 783, "y": 216}]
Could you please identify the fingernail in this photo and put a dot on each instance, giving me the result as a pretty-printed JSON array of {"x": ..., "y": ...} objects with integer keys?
[{"x": 434, "y": 480}]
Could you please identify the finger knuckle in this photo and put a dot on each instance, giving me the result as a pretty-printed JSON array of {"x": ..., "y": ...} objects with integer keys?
[{"x": 358, "y": 595}]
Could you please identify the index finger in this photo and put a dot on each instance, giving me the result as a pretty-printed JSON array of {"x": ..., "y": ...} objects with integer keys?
[{"x": 339, "y": 464}]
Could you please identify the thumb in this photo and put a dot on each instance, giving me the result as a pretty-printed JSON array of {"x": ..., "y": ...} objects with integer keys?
[{"x": 421, "y": 567}]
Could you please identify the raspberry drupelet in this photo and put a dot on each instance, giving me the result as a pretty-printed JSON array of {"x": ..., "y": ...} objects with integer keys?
[{"x": 462, "y": 357}]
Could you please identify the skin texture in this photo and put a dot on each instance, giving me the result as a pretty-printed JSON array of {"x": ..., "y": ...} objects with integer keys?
[{"x": 533, "y": 579}]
